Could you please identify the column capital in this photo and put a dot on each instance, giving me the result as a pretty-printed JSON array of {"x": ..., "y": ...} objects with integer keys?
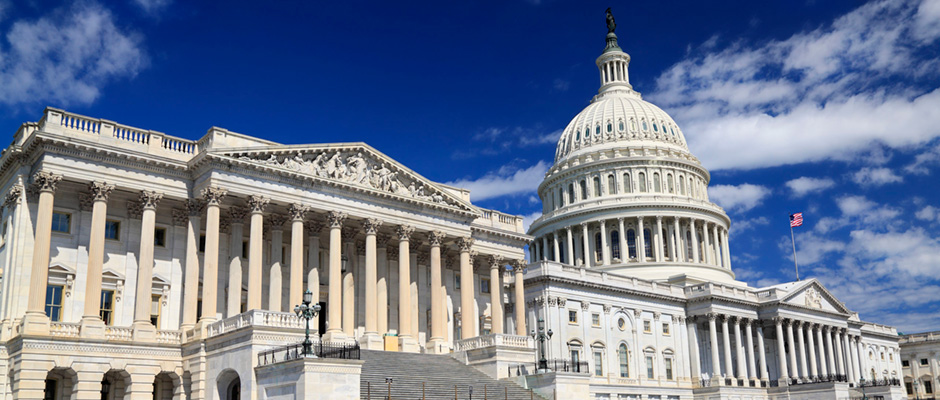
[
  {"x": 568, "y": 229},
  {"x": 747, "y": 322},
  {"x": 404, "y": 232},
  {"x": 826, "y": 328},
  {"x": 257, "y": 203},
  {"x": 180, "y": 217},
  {"x": 277, "y": 221},
  {"x": 100, "y": 191},
  {"x": 297, "y": 211},
  {"x": 659, "y": 218},
  {"x": 335, "y": 219},
  {"x": 195, "y": 207},
  {"x": 495, "y": 261},
  {"x": 45, "y": 181},
  {"x": 464, "y": 244},
  {"x": 13, "y": 196},
  {"x": 349, "y": 234},
  {"x": 381, "y": 240},
  {"x": 313, "y": 227},
  {"x": 519, "y": 266},
  {"x": 584, "y": 225},
  {"x": 779, "y": 321},
  {"x": 473, "y": 257},
  {"x": 435, "y": 238},
  {"x": 371, "y": 226},
  {"x": 214, "y": 195},
  {"x": 238, "y": 214},
  {"x": 149, "y": 199}
]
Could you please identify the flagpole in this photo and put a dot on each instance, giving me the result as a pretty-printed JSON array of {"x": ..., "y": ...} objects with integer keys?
[{"x": 793, "y": 241}]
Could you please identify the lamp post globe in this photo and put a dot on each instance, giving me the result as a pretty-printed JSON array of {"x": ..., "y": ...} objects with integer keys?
[{"x": 307, "y": 312}]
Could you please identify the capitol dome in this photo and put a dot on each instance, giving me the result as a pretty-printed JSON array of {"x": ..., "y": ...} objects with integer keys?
[{"x": 626, "y": 195}]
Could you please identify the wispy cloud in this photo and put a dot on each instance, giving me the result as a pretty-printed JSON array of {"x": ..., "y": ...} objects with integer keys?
[
  {"x": 805, "y": 185},
  {"x": 152, "y": 7},
  {"x": 738, "y": 198},
  {"x": 498, "y": 140},
  {"x": 784, "y": 101},
  {"x": 507, "y": 180},
  {"x": 875, "y": 177},
  {"x": 561, "y": 85},
  {"x": 67, "y": 56}
]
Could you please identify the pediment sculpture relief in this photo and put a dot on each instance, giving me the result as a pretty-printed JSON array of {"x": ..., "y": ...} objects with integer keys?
[
  {"x": 812, "y": 298},
  {"x": 354, "y": 168}
]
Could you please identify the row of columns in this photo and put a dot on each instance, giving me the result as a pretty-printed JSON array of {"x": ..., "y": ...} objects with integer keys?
[
  {"x": 212, "y": 197},
  {"x": 714, "y": 241}
]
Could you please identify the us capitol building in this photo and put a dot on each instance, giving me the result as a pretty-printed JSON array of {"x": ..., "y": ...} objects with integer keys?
[{"x": 137, "y": 265}]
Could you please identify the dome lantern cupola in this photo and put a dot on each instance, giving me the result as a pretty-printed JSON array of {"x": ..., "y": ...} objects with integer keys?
[{"x": 613, "y": 62}]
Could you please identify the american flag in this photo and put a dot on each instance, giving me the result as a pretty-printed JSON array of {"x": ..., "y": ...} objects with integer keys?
[{"x": 796, "y": 219}]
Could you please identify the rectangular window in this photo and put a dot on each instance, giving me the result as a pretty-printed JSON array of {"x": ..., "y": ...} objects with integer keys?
[
  {"x": 928, "y": 387},
  {"x": 155, "y": 310},
  {"x": 572, "y": 317},
  {"x": 457, "y": 281},
  {"x": 665, "y": 328},
  {"x": 484, "y": 285},
  {"x": 923, "y": 361},
  {"x": 596, "y": 319},
  {"x": 575, "y": 359},
  {"x": 159, "y": 237},
  {"x": 112, "y": 230},
  {"x": 61, "y": 222},
  {"x": 107, "y": 306},
  {"x": 244, "y": 249},
  {"x": 202, "y": 243},
  {"x": 909, "y": 387},
  {"x": 647, "y": 326},
  {"x": 598, "y": 363},
  {"x": 905, "y": 363},
  {"x": 668, "y": 362},
  {"x": 54, "y": 302},
  {"x": 649, "y": 367}
]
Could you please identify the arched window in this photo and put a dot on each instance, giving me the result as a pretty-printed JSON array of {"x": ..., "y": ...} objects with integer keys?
[
  {"x": 631, "y": 243},
  {"x": 645, "y": 128},
  {"x": 627, "y": 185},
  {"x": 621, "y": 126},
  {"x": 672, "y": 186},
  {"x": 657, "y": 186},
  {"x": 610, "y": 127},
  {"x": 655, "y": 128},
  {"x": 641, "y": 182},
  {"x": 598, "y": 250},
  {"x": 624, "y": 356},
  {"x": 688, "y": 245},
  {"x": 597, "y": 129},
  {"x": 665, "y": 242},
  {"x": 577, "y": 136},
  {"x": 583, "y": 190},
  {"x": 615, "y": 244},
  {"x": 561, "y": 197},
  {"x": 597, "y": 186},
  {"x": 646, "y": 239},
  {"x": 691, "y": 187},
  {"x": 598, "y": 359},
  {"x": 611, "y": 184},
  {"x": 682, "y": 185},
  {"x": 571, "y": 193}
]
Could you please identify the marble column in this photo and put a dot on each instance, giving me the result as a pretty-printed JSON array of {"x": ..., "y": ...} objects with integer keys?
[
  {"x": 92, "y": 325},
  {"x": 406, "y": 337},
  {"x": 233, "y": 302},
  {"x": 350, "y": 265},
  {"x": 726, "y": 337},
  {"x": 739, "y": 349},
  {"x": 713, "y": 340},
  {"x": 640, "y": 241},
  {"x": 191, "y": 280},
  {"x": 570, "y": 246},
  {"x": 210, "y": 272},
  {"x": 680, "y": 254},
  {"x": 556, "y": 257},
  {"x": 436, "y": 345},
  {"x": 143, "y": 329},
  {"x": 821, "y": 348},
  {"x": 671, "y": 241},
  {"x": 371, "y": 338},
  {"x": 275, "y": 276},
  {"x": 496, "y": 297},
  {"x": 781, "y": 351},
  {"x": 852, "y": 356},
  {"x": 695, "y": 369},
  {"x": 861, "y": 360},
  {"x": 519, "y": 289},
  {"x": 695, "y": 247},
  {"x": 813, "y": 371},
  {"x": 727, "y": 252},
  {"x": 466, "y": 288},
  {"x": 842, "y": 355},
  {"x": 749, "y": 340},
  {"x": 545, "y": 249},
  {"x": 804, "y": 373},
  {"x": 334, "y": 315},
  {"x": 36, "y": 321},
  {"x": 605, "y": 255},
  {"x": 295, "y": 292},
  {"x": 313, "y": 229},
  {"x": 794, "y": 369},
  {"x": 660, "y": 240},
  {"x": 382, "y": 289},
  {"x": 624, "y": 251},
  {"x": 586, "y": 248},
  {"x": 717, "y": 247},
  {"x": 256, "y": 205},
  {"x": 762, "y": 351},
  {"x": 827, "y": 332},
  {"x": 706, "y": 247}
]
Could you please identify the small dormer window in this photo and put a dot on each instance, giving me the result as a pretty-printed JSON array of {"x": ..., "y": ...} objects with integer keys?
[
  {"x": 610, "y": 127},
  {"x": 621, "y": 126},
  {"x": 577, "y": 136},
  {"x": 644, "y": 126},
  {"x": 597, "y": 130},
  {"x": 655, "y": 128}
]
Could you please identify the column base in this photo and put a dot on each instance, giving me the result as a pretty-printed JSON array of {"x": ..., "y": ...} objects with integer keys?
[
  {"x": 92, "y": 328},
  {"x": 371, "y": 341},
  {"x": 334, "y": 337},
  {"x": 145, "y": 332},
  {"x": 437, "y": 346},
  {"x": 36, "y": 323},
  {"x": 408, "y": 344}
]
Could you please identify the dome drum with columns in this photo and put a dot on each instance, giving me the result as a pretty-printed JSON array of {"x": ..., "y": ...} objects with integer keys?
[{"x": 622, "y": 166}]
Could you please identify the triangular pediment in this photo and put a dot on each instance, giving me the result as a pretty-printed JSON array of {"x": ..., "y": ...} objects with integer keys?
[
  {"x": 351, "y": 164},
  {"x": 812, "y": 294}
]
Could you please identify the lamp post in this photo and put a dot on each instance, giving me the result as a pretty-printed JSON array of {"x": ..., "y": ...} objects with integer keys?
[
  {"x": 861, "y": 384},
  {"x": 307, "y": 312},
  {"x": 540, "y": 337}
]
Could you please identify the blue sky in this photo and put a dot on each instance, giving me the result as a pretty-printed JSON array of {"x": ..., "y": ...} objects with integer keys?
[{"x": 830, "y": 108}]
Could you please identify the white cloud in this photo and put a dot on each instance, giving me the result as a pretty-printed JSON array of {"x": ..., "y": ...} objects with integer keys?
[
  {"x": 66, "y": 57},
  {"x": 527, "y": 220},
  {"x": 865, "y": 211},
  {"x": 875, "y": 176},
  {"x": 738, "y": 198},
  {"x": 742, "y": 225},
  {"x": 805, "y": 185},
  {"x": 536, "y": 138},
  {"x": 785, "y": 101},
  {"x": 4, "y": 8},
  {"x": 152, "y": 7},
  {"x": 508, "y": 180},
  {"x": 924, "y": 160},
  {"x": 561, "y": 85},
  {"x": 928, "y": 213}
]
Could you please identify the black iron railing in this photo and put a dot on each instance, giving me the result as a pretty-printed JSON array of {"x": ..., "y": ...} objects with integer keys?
[
  {"x": 320, "y": 350},
  {"x": 881, "y": 382},
  {"x": 580, "y": 367}
]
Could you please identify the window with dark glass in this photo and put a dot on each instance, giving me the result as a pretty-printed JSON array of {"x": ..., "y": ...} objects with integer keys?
[
  {"x": 107, "y": 306},
  {"x": 649, "y": 367},
  {"x": 202, "y": 243},
  {"x": 155, "y": 310},
  {"x": 598, "y": 250},
  {"x": 54, "y": 302},
  {"x": 159, "y": 237},
  {"x": 624, "y": 356},
  {"x": 61, "y": 222},
  {"x": 646, "y": 237},
  {"x": 112, "y": 230},
  {"x": 631, "y": 242},
  {"x": 668, "y": 363},
  {"x": 484, "y": 285},
  {"x": 627, "y": 185},
  {"x": 615, "y": 244}
]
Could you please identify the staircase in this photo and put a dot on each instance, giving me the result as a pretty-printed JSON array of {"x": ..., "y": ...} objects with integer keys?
[{"x": 439, "y": 373}]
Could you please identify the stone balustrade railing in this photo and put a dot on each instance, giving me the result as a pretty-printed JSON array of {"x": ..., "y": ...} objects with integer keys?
[
  {"x": 123, "y": 334},
  {"x": 256, "y": 318},
  {"x": 113, "y": 333},
  {"x": 496, "y": 340},
  {"x": 65, "y": 329},
  {"x": 496, "y": 219},
  {"x": 169, "y": 336},
  {"x": 919, "y": 337}
]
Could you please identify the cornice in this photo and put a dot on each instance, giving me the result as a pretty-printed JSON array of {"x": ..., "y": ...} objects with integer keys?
[
  {"x": 551, "y": 279},
  {"x": 521, "y": 237},
  {"x": 662, "y": 208},
  {"x": 578, "y": 170}
]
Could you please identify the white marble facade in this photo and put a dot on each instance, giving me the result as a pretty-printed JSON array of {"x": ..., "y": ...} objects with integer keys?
[
  {"x": 659, "y": 314},
  {"x": 191, "y": 240},
  {"x": 920, "y": 363}
]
